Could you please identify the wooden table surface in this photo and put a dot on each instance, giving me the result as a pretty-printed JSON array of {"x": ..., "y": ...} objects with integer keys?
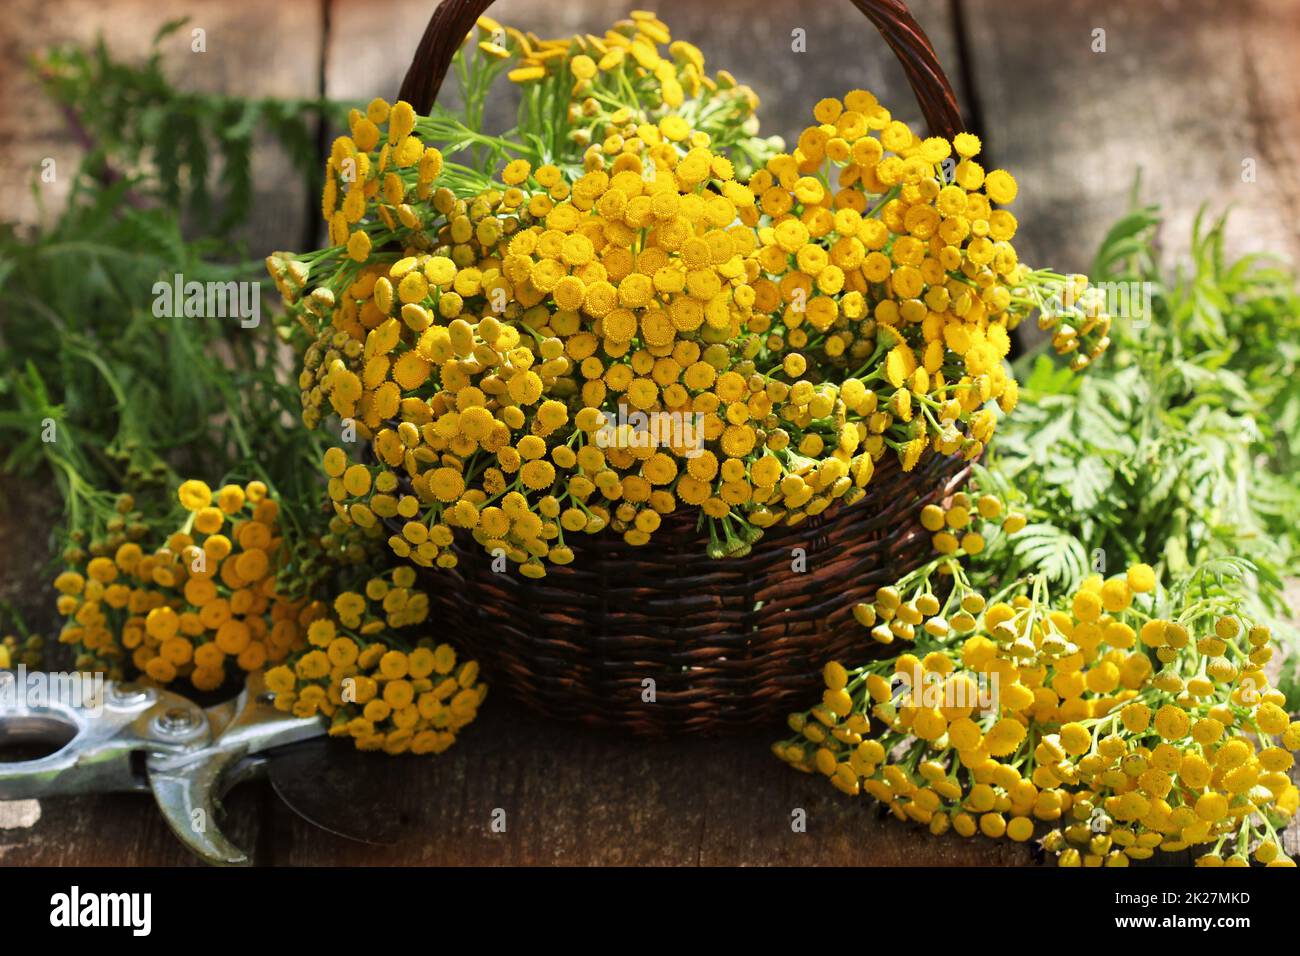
[{"x": 1189, "y": 91}]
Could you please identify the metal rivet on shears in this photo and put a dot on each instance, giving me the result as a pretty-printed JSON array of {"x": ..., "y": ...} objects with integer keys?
[
  {"x": 176, "y": 722},
  {"x": 128, "y": 695}
]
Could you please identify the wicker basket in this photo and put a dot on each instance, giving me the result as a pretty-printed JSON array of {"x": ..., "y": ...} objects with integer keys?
[{"x": 663, "y": 639}]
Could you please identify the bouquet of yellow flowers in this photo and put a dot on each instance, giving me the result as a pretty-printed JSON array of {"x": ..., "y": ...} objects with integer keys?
[
  {"x": 1131, "y": 717},
  {"x": 631, "y": 304},
  {"x": 203, "y": 598}
]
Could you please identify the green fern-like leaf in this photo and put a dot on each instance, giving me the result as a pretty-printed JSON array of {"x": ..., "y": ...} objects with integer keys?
[{"x": 1053, "y": 552}]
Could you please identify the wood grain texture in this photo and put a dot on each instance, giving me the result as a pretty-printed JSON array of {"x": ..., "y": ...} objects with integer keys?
[
  {"x": 118, "y": 830},
  {"x": 1186, "y": 90},
  {"x": 579, "y": 797}
]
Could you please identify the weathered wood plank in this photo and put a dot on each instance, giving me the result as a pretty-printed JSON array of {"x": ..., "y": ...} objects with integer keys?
[
  {"x": 573, "y": 796},
  {"x": 264, "y": 50},
  {"x": 115, "y": 830},
  {"x": 1186, "y": 90}
]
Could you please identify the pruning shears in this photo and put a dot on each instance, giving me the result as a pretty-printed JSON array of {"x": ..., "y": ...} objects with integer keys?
[{"x": 131, "y": 737}]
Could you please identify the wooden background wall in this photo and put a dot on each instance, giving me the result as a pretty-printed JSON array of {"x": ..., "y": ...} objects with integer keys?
[{"x": 1185, "y": 91}]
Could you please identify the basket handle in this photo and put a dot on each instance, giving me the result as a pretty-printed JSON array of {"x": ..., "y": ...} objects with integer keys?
[{"x": 453, "y": 20}]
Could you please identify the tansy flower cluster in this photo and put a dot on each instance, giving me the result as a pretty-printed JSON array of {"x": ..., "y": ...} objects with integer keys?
[
  {"x": 121, "y": 521},
  {"x": 962, "y": 523},
  {"x": 373, "y": 686},
  {"x": 1118, "y": 722},
  {"x": 204, "y": 601},
  {"x": 886, "y": 262},
  {"x": 571, "y": 350},
  {"x": 615, "y": 82}
]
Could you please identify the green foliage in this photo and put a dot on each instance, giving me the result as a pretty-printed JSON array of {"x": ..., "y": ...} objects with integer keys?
[
  {"x": 1052, "y": 552},
  {"x": 173, "y": 143},
  {"x": 138, "y": 402}
]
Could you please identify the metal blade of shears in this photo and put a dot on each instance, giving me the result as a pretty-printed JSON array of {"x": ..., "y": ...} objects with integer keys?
[{"x": 334, "y": 786}]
